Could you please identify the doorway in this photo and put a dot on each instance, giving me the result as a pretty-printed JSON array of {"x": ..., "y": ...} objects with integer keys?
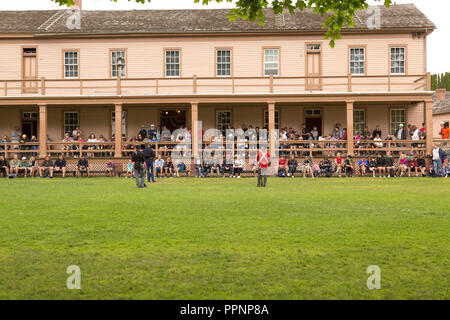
[
  {"x": 313, "y": 118},
  {"x": 173, "y": 119},
  {"x": 30, "y": 124}
]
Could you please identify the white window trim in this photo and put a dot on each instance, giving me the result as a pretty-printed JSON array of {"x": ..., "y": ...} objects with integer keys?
[
  {"x": 350, "y": 61},
  {"x": 124, "y": 69},
  {"x": 217, "y": 117},
  {"x": 165, "y": 63},
  {"x": 404, "y": 60},
  {"x": 217, "y": 63},
  {"x": 66, "y": 65},
  {"x": 277, "y": 124},
  {"x": 364, "y": 122},
  {"x": 277, "y": 62},
  {"x": 390, "y": 118}
]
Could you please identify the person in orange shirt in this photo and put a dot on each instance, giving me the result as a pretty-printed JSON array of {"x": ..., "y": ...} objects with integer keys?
[{"x": 445, "y": 131}]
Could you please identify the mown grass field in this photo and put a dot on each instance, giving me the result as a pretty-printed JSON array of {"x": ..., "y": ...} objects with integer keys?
[{"x": 224, "y": 238}]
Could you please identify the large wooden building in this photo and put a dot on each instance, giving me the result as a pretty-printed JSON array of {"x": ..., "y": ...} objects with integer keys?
[{"x": 59, "y": 70}]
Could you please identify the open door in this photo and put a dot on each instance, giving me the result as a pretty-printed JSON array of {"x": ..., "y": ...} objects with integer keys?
[{"x": 29, "y": 71}]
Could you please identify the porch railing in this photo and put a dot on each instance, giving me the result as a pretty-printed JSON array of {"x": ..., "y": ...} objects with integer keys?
[
  {"x": 298, "y": 147},
  {"x": 215, "y": 85}
]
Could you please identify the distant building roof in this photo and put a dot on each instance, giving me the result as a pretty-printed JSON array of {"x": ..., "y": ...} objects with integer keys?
[
  {"x": 404, "y": 16},
  {"x": 441, "y": 106}
]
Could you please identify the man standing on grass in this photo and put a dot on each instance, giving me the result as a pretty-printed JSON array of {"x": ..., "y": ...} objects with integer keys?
[
  {"x": 138, "y": 159},
  {"x": 149, "y": 155},
  {"x": 263, "y": 159}
]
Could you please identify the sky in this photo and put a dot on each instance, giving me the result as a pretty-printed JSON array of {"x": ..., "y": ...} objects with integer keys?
[{"x": 436, "y": 10}]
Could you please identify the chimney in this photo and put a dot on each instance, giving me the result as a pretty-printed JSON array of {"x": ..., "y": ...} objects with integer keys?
[
  {"x": 441, "y": 94},
  {"x": 78, "y": 4}
]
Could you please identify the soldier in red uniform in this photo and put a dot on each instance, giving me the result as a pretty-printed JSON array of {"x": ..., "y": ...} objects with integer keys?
[{"x": 263, "y": 161}]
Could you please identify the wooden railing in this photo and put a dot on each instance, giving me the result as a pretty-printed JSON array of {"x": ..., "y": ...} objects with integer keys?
[
  {"x": 215, "y": 85},
  {"x": 297, "y": 147}
]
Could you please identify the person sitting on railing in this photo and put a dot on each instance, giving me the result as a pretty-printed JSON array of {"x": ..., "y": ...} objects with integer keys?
[
  {"x": 403, "y": 164},
  {"x": 339, "y": 164},
  {"x": 381, "y": 165},
  {"x": 389, "y": 165},
  {"x": 315, "y": 134},
  {"x": 378, "y": 144},
  {"x": 14, "y": 164},
  {"x": 349, "y": 166},
  {"x": 445, "y": 131},
  {"x": 376, "y": 132},
  {"x": 4, "y": 166},
  {"x": 109, "y": 168},
  {"x": 446, "y": 169},
  {"x": 415, "y": 136},
  {"x": 60, "y": 165},
  {"x": 152, "y": 133},
  {"x": 344, "y": 134},
  {"x": 326, "y": 167},
  {"x": 307, "y": 167},
  {"x": 91, "y": 139},
  {"x": 373, "y": 167},
  {"x": 46, "y": 168},
  {"x": 32, "y": 166},
  {"x": 82, "y": 167},
  {"x": 227, "y": 165},
  {"x": 292, "y": 164},
  {"x": 363, "y": 164},
  {"x": 159, "y": 166}
]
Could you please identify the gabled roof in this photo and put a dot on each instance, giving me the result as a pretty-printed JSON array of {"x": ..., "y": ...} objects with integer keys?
[
  {"x": 405, "y": 16},
  {"x": 441, "y": 106}
]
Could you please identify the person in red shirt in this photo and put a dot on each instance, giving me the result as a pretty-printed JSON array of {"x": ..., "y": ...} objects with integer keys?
[
  {"x": 339, "y": 164},
  {"x": 282, "y": 164},
  {"x": 263, "y": 161}
]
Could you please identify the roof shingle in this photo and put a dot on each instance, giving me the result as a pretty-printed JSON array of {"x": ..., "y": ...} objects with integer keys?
[{"x": 196, "y": 21}]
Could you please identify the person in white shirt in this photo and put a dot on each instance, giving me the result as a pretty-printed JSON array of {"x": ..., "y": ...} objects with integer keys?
[
  {"x": 379, "y": 144},
  {"x": 159, "y": 165},
  {"x": 238, "y": 167}
]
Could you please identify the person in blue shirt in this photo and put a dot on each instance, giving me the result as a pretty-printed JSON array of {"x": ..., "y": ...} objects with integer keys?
[
  {"x": 82, "y": 167},
  {"x": 363, "y": 164}
]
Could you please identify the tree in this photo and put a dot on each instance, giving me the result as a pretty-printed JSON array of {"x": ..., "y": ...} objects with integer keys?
[
  {"x": 440, "y": 81},
  {"x": 339, "y": 13}
]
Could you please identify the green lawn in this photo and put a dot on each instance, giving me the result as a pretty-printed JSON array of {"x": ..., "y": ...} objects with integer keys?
[{"x": 224, "y": 238}]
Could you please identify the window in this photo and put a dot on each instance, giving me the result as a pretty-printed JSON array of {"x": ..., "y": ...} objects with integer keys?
[
  {"x": 71, "y": 121},
  {"x": 223, "y": 63},
  {"x": 313, "y": 47},
  {"x": 271, "y": 62},
  {"x": 223, "y": 119},
  {"x": 277, "y": 119},
  {"x": 124, "y": 123},
  {"x": 30, "y": 115},
  {"x": 357, "y": 61},
  {"x": 71, "y": 64},
  {"x": 398, "y": 57},
  {"x": 397, "y": 117},
  {"x": 114, "y": 66},
  {"x": 172, "y": 63},
  {"x": 359, "y": 121},
  {"x": 312, "y": 112}
]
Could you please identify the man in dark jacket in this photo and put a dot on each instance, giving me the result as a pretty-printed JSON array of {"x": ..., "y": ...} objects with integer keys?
[
  {"x": 149, "y": 155},
  {"x": 400, "y": 134},
  {"x": 138, "y": 159},
  {"x": 82, "y": 167},
  {"x": 4, "y": 166}
]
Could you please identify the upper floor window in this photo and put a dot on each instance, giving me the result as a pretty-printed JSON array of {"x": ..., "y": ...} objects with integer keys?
[
  {"x": 357, "y": 61},
  {"x": 223, "y": 62},
  {"x": 172, "y": 63},
  {"x": 71, "y": 64},
  {"x": 398, "y": 58},
  {"x": 271, "y": 62},
  {"x": 116, "y": 54}
]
